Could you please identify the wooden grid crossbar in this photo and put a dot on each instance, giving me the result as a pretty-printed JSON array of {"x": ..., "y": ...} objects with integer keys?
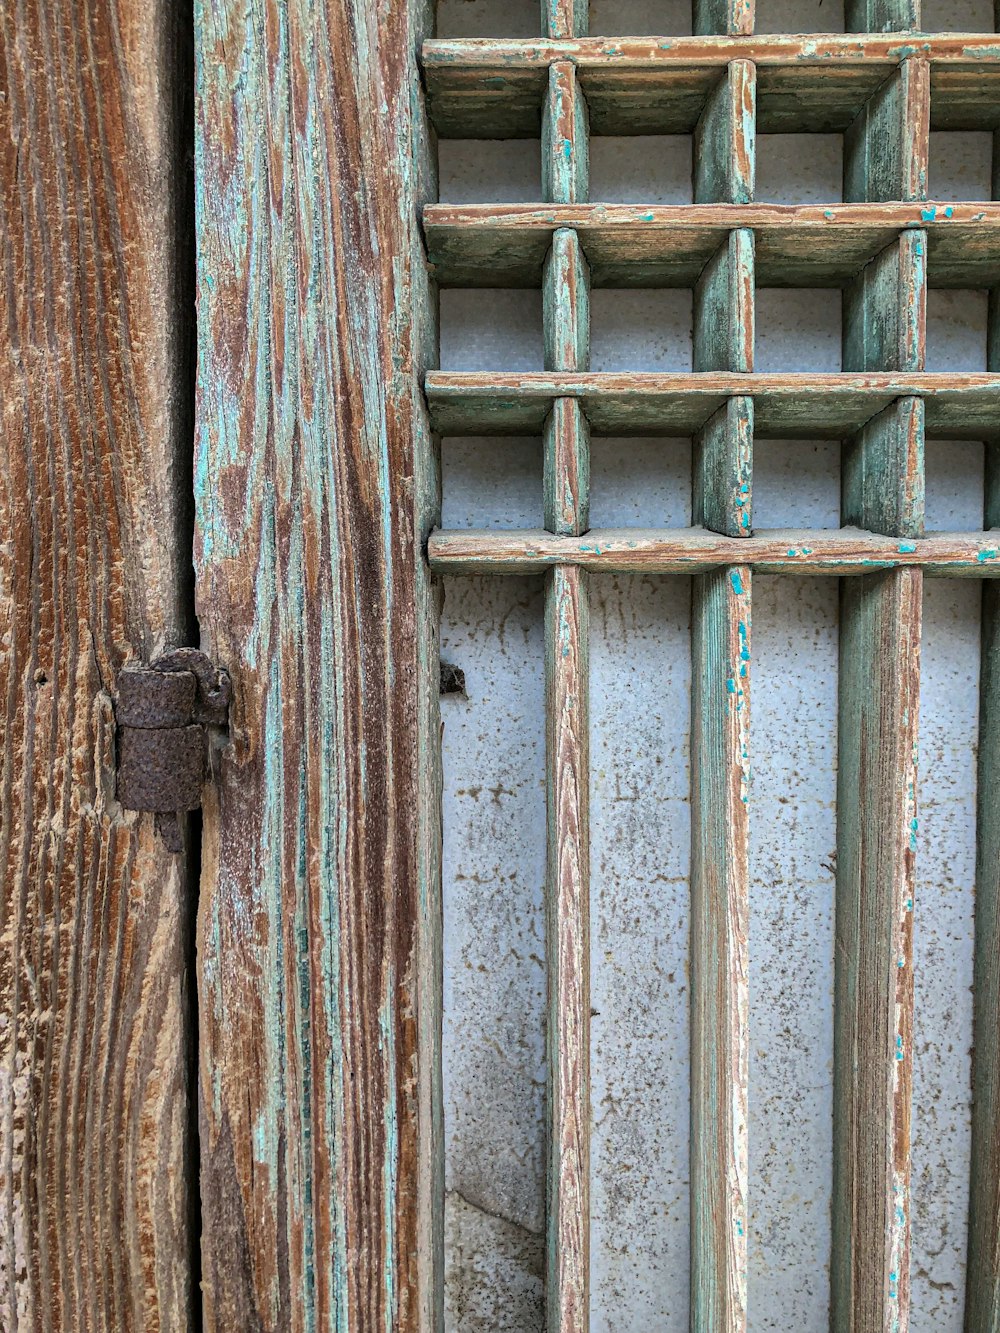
[{"x": 883, "y": 86}]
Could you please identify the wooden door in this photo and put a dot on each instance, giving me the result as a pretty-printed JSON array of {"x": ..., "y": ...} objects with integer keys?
[{"x": 222, "y": 1091}]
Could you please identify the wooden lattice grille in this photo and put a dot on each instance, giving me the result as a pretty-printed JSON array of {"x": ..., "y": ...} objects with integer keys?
[{"x": 882, "y": 247}]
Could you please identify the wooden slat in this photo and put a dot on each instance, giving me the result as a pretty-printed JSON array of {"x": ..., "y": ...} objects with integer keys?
[
  {"x": 564, "y": 138},
  {"x": 722, "y": 482},
  {"x": 873, "y": 1028},
  {"x": 885, "y": 149},
  {"x": 725, "y": 138},
  {"x": 96, "y": 1175},
  {"x": 723, "y": 337},
  {"x": 957, "y": 406},
  {"x": 318, "y": 857},
  {"x": 568, "y": 947},
  {"x": 982, "y": 1301},
  {"x": 844, "y": 551},
  {"x": 720, "y": 773},
  {"x": 649, "y": 85},
  {"x": 629, "y": 245}
]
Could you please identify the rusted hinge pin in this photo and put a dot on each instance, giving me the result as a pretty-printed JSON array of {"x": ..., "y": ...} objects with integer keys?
[{"x": 163, "y": 712}]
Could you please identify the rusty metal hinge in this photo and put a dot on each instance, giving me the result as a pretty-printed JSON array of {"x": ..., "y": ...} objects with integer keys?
[{"x": 164, "y": 712}]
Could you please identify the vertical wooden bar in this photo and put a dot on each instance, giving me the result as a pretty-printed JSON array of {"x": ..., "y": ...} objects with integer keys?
[
  {"x": 982, "y": 1290},
  {"x": 97, "y": 1182},
  {"x": 723, "y": 17},
  {"x": 317, "y": 855},
  {"x": 883, "y": 491},
  {"x": 881, "y": 15},
  {"x": 568, "y": 949},
  {"x": 720, "y": 733},
  {"x": 885, "y": 149},
  {"x": 873, "y": 1033},
  {"x": 720, "y": 773},
  {"x": 565, "y": 303},
  {"x": 565, "y": 18}
]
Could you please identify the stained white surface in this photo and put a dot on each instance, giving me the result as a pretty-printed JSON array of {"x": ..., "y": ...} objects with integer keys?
[{"x": 494, "y": 814}]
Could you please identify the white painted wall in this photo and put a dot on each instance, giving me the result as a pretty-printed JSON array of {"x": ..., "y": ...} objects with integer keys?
[{"x": 494, "y": 786}]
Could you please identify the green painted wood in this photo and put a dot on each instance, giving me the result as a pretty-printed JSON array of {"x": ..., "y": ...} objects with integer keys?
[
  {"x": 725, "y": 139},
  {"x": 881, "y": 15},
  {"x": 566, "y": 304},
  {"x": 883, "y": 471},
  {"x": 722, "y": 496},
  {"x": 885, "y": 309},
  {"x": 318, "y": 857},
  {"x": 885, "y": 149},
  {"x": 565, "y": 18},
  {"x": 629, "y": 245},
  {"x": 873, "y": 1024},
  {"x": 568, "y": 951},
  {"x": 720, "y": 881},
  {"x": 843, "y": 551},
  {"x": 565, "y": 156},
  {"x": 724, "y": 307},
  {"x": 723, "y": 16},
  {"x": 832, "y": 407}
]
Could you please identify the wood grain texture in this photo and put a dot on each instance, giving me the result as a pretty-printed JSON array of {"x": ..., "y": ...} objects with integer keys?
[
  {"x": 724, "y": 320},
  {"x": 565, "y": 151},
  {"x": 982, "y": 1298},
  {"x": 566, "y": 304},
  {"x": 885, "y": 149},
  {"x": 568, "y": 951},
  {"x": 318, "y": 855},
  {"x": 725, "y": 139},
  {"x": 956, "y": 406},
  {"x": 630, "y": 245},
  {"x": 845, "y": 551},
  {"x": 720, "y": 998},
  {"x": 564, "y": 18},
  {"x": 873, "y": 1025},
  {"x": 722, "y": 471},
  {"x": 95, "y": 1172},
  {"x": 649, "y": 85}
]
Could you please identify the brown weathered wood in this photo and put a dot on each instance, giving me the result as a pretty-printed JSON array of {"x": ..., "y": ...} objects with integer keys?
[
  {"x": 96, "y": 1175},
  {"x": 319, "y": 1135},
  {"x": 873, "y": 1016},
  {"x": 629, "y": 245},
  {"x": 648, "y": 85},
  {"x": 568, "y": 951},
  {"x": 844, "y": 551},
  {"x": 957, "y": 406}
]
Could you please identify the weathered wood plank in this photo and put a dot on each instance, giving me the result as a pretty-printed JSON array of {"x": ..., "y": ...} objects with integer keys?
[
  {"x": 846, "y": 551},
  {"x": 873, "y": 1025},
  {"x": 720, "y": 884},
  {"x": 630, "y": 245},
  {"x": 725, "y": 139},
  {"x": 96, "y": 1177},
  {"x": 885, "y": 149},
  {"x": 566, "y": 304},
  {"x": 881, "y": 15},
  {"x": 648, "y": 85},
  {"x": 722, "y": 471},
  {"x": 568, "y": 951},
  {"x": 982, "y": 1299},
  {"x": 564, "y": 18},
  {"x": 957, "y": 406},
  {"x": 885, "y": 309},
  {"x": 723, "y": 16},
  {"x": 724, "y": 308},
  {"x": 318, "y": 855},
  {"x": 565, "y": 155}
]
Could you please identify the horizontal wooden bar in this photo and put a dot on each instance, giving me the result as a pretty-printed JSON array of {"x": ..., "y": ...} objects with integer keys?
[
  {"x": 785, "y": 406},
  {"x": 841, "y": 551},
  {"x": 628, "y": 245},
  {"x": 645, "y": 85}
]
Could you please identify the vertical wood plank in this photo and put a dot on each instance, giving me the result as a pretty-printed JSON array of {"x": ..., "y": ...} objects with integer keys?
[
  {"x": 982, "y": 1291},
  {"x": 873, "y": 1032},
  {"x": 565, "y": 152},
  {"x": 881, "y": 15},
  {"x": 725, "y": 17},
  {"x": 568, "y": 948},
  {"x": 982, "y": 1300},
  {"x": 885, "y": 149},
  {"x": 95, "y": 1169},
  {"x": 726, "y": 138},
  {"x": 318, "y": 856},
  {"x": 720, "y": 774},
  {"x": 565, "y": 18}
]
